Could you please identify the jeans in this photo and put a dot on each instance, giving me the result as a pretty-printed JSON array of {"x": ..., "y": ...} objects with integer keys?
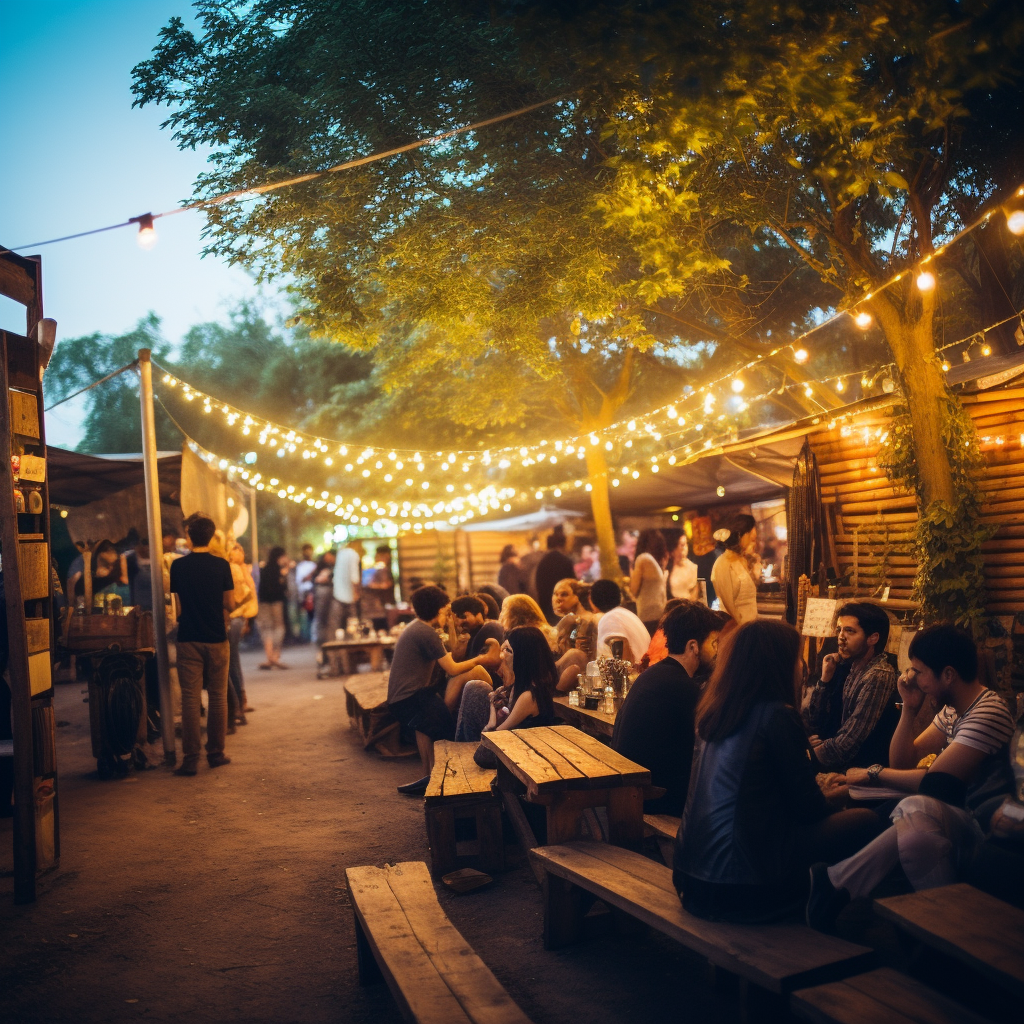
[
  {"x": 474, "y": 711},
  {"x": 236, "y": 682},
  {"x": 198, "y": 665},
  {"x": 323, "y": 600}
]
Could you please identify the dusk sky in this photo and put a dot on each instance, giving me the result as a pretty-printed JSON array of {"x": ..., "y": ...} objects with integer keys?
[{"x": 77, "y": 156}]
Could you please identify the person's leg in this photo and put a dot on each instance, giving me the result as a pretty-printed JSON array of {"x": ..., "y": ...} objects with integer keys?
[
  {"x": 265, "y": 618},
  {"x": 236, "y": 683},
  {"x": 455, "y": 685},
  {"x": 861, "y": 873},
  {"x": 277, "y": 610},
  {"x": 190, "y": 677},
  {"x": 838, "y": 836},
  {"x": 569, "y": 666},
  {"x": 936, "y": 841},
  {"x": 425, "y": 746},
  {"x": 474, "y": 710},
  {"x": 216, "y": 658}
]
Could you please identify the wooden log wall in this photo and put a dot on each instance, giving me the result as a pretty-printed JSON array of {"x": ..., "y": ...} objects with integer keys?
[
  {"x": 874, "y": 519},
  {"x": 459, "y": 559}
]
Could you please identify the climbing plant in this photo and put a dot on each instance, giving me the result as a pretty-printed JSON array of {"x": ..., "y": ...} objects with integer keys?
[{"x": 950, "y": 582}]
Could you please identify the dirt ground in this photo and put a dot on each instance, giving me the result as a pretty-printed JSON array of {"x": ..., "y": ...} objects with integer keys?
[{"x": 222, "y": 897}]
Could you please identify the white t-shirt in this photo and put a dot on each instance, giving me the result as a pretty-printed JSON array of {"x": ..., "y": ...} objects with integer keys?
[
  {"x": 346, "y": 575},
  {"x": 304, "y": 569},
  {"x": 986, "y": 725},
  {"x": 622, "y": 622}
]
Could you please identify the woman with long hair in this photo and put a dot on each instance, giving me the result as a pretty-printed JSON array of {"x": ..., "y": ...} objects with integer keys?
[
  {"x": 731, "y": 576},
  {"x": 648, "y": 580},
  {"x": 246, "y": 607},
  {"x": 510, "y": 576},
  {"x": 524, "y": 700},
  {"x": 755, "y": 819},
  {"x": 273, "y": 592},
  {"x": 521, "y": 610},
  {"x": 682, "y": 577}
]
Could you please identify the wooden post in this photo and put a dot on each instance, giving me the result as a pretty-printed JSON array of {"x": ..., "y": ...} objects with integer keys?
[
  {"x": 163, "y": 664},
  {"x": 17, "y": 669},
  {"x": 253, "y": 536}
]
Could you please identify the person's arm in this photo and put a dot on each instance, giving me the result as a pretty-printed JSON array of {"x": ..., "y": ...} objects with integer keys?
[
  {"x": 812, "y": 713},
  {"x": 525, "y": 707},
  {"x": 907, "y": 747},
  {"x": 122, "y": 563},
  {"x": 228, "y": 588},
  {"x": 456, "y": 668},
  {"x": 873, "y": 693}
]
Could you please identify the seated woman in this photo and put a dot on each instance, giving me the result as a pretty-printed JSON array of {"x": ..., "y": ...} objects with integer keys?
[
  {"x": 576, "y": 632},
  {"x": 755, "y": 819},
  {"x": 527, "y": 671},
  {"x": 109, "y": 572},
  {"x": 521, "y": 610}
]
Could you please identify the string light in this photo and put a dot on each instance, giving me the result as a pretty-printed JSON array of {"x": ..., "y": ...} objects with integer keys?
[
  {"x": 1015, "y": 222},
  {"x": 801, "y": 355},
  {"x": 863, "y": 319},
  {"x": 925, "y": 281}
]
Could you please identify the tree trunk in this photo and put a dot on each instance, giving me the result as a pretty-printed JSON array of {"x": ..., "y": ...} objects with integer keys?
[
  {"x": 911, "y": 341},
  {"x": 597, "y": 472}
]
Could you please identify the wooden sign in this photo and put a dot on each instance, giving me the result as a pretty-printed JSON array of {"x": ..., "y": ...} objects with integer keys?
[
  {"x": 24, "y": 414},
  {"x": 820, "y": 617},
  {"x": 33, "y": 468}
]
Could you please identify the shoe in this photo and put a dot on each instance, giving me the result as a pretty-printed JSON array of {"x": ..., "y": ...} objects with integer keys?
[
  {"x": 825, "y": 902},
  {"x": 278, "y": 664},
  {"x": 232, "y": 729},
  {"x": 266, "y": 668},
  {"x": 417, "y": 788},
  {"x": 217, "y": 760},
  {"x": 247, "y": 709},
  {"x": 187, "y": 768}
]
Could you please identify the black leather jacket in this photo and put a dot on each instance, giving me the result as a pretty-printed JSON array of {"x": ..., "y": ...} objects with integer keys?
[{"x": 748, "y": 795}]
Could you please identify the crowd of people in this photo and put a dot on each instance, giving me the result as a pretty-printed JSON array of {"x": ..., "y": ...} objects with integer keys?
[{"x": 770, "y": 772}]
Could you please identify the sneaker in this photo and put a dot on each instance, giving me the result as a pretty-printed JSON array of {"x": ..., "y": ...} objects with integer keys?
[
  {"x": 217, "y": 760},
  {"x": 187, "y": 768},
  {"x": 417, "y": 788},
  {"x": 825, "y": 902}
]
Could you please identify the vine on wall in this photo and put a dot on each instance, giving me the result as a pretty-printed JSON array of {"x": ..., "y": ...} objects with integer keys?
[{"x": 950, "y": 583}]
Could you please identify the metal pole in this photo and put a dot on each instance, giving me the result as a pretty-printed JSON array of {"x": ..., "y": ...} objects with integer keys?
[
  {"x": 156, "y": 554},
  {"x": 253, "y": 539}
]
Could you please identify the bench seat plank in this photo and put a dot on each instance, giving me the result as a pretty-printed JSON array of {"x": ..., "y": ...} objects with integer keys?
[
  {"x": 777, "y": 957},
  {"x": 664, "y": 825},
  {"x": 968, "y": 924},
  {"x": 432, "y": 971},
  {"x": 455, "y": 773},
  {"x": 883, "y": 996}
]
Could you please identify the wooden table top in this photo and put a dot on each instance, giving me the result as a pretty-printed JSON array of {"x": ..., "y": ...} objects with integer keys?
[
  {"x": 967, "y": 924},
  {"x": 549, "y": 759},
  {"x": 604, "y": 723},
  {"x": 455, "y": 773},
  {"x": 383, "y": 641},
  {"x": 369, "y": 689}
]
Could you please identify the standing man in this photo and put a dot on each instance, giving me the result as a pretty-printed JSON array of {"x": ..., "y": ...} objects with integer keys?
[
  {"x": 554, "y": 567},
  {"x": 347, "y": 572},
  {"x": 851, "y": 713},
  {"x": 205, "y": 591}
]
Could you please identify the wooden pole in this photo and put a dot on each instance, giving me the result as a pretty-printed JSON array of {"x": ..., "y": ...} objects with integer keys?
[
  {"x": 17, "y": 672},
  {"x": 149, "y": 461},
  {"x": 253, "y": 536}
]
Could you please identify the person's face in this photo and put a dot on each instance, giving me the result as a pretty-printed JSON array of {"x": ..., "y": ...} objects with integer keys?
[
  {"x": 932, "y": 685},
  {"x": 330, "y": 558},
  {"x": 508, "y": 677},
  {"x": 170, "y": 542},
  {"x": 283, "y": 562},
  {"x": 709, "y": 652},
  {"x": 853, "y": 641},
  {"x": 106, "y": 562},
  {"x": 470, "y": 621},
  {"x": 236, "y": 555},
  {"x": 563, "y": 600},
  {"x": 307, "y": 552},
  {"x": 142, "y": 549},
  {"x": 587, "y": 553},
  {"x": 682, "y": 548},
  {"x": 748, "y": 540}
]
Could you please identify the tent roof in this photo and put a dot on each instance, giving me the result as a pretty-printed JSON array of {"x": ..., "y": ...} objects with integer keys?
[{"x": 76, "y": 478}]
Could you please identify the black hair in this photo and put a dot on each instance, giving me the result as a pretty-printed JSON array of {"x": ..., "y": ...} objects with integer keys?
[
  {"x": 690, "y": 620},
  {"x": 871, "y": 619},
  {"x": 492, "y": 611},
  {"x": 556, "y": 539},
  {"x": 496, "y": 593},
  {"x": 383, "y": 549},
  {"x": 605, "y": 595},
  {"x": 738, "y": 526},
  {"x": 507, "y": 552},
  {"x": 200, "y": 529},
  {"x": 945, "y": 644},
  {"x": 428, "y": 601},
  {"x": 468, "y": 603},
  {"x": 533, "y": 666},
  {"x": 275, "y": 555}
]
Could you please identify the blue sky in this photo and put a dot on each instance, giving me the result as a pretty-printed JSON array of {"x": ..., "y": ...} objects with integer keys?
[{"x": 78, "y": 156}]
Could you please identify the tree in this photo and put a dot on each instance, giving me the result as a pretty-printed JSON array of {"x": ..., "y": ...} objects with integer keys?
[{"x": 493, "y": 285}]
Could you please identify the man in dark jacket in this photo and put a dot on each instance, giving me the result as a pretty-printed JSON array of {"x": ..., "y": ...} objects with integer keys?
[
  {"x": 655, "y": 726},
  {"x": 556, "y": 565}
]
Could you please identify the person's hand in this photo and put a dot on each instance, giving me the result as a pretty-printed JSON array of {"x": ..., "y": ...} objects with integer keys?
[
  {"x": 828, "y": 667},
  {"x": 1005, "y": 825},
  {"x": 815, "y": 741},
  {"x": 856, "y": 777},
  {"x": 497, "y": 697},
  {"x": 491, "y": 648},
  {"x": 913, "y": 696}
]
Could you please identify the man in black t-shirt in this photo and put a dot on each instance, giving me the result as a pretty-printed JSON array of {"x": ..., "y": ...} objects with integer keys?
[
  {"x": 205, "y": 591},
  {"x": 555, "y": 566},
  {"x": 655, "y": 725},
  {"x": 471, "y": 615}
]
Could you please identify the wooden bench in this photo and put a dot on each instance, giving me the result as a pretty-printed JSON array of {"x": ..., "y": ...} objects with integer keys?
[
  {"x": 777, "y": 957},
  {"x": 366, "y": 700},
  {"x": 404, "y": 938},
  {"x": 878, "y": 997},
  {"x": 664, "y": 826},
  {"x": 459, "y": 790},
  {"x": 336, "y": 655},
  {"x": 968, "y": 924}
]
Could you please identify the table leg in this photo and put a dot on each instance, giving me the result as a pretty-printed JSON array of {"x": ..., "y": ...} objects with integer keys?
[
  {"x": 626, "y": 816},
  {"x": 563, "y": 818},
  {"x": 346, "y": 667},
  {"x": 375, "y": 658}
]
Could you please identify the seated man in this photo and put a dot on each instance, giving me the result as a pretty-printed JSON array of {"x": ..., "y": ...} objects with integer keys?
[
  {"x": 851, "y": 715},
  {"x": 655, "y": 725},
  {"x": 470, "y": 613},
  {"x": 616, "y": 621},
  {"x": 411, "y": 698},
  {"x": 934, "y": 834}
]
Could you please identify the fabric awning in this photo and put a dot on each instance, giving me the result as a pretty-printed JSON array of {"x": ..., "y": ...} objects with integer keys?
[{"x": 77, "y": 478}]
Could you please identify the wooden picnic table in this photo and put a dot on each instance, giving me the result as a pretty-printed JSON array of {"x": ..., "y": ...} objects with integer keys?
[
  {"x": 593, "y": 723},
  {"x": 336, "y": 654},
  {"x": 568, "y": 772}
]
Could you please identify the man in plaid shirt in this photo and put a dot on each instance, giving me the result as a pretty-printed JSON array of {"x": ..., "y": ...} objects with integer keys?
[{"x": 846, "y": 714}]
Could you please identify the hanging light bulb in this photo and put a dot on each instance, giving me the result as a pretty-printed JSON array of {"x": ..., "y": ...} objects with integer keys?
[
  {"x": 737, "y": 386},
  {"x": 925, "y": 281},
  {"x": 863, "y": 319},
  {"x": 986, "y": 350},
  {"x": 840, "y": 385},
  {"x": 945, "y": 366},
  {"x": 147, "y": 236},
  {"x": 1015, "y": 222},
  {"x": 801, "y": 355}
]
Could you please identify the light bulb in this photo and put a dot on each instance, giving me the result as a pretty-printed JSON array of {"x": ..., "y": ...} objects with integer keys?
[
  {"x": 945, "y": 365},
  {"x": 801, "y": 355},
  {"x": 1015, "y": 222},
  {"x": 863, "y": 320},
  {"x": 840, "y": 386},
  {"x": 737, "y": 386},
  {"x": 147, "y": 237},
  {"x": 925, "y": 281},
  {"x": 720, "y": 491},
  {"x": 986, "y": 350}
]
